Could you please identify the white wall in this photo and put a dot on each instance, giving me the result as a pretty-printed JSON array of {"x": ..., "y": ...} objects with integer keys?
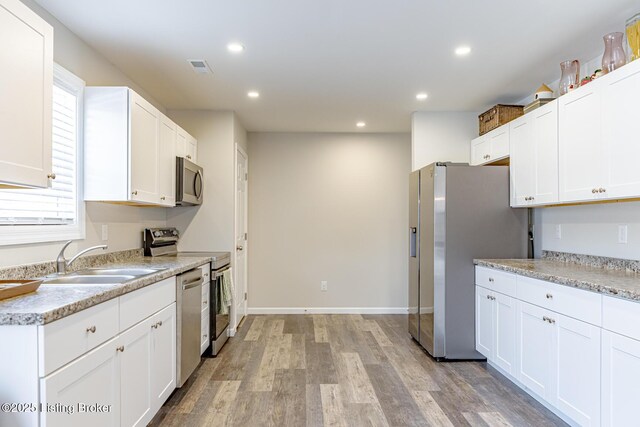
[
  {"x": 441, "y": 137},
  {"x": 328, "y": 207},
  {"x": 210, "y": 226},
  {"x": 591, "y": 229},
  {"x": 125, "y": 222}
]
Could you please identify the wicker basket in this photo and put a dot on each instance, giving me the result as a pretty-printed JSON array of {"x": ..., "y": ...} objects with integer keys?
[{"x": 497, "y": 116}]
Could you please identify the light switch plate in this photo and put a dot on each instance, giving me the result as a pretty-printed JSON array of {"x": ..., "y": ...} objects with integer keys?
[
  {"x": 622, "y": 233},
  {"x": 105, "y": 232},
  {"x": 558, "y": 231},
  {"x": 323, "y": 286}
]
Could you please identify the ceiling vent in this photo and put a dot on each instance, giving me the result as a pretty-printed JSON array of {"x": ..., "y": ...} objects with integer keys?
[{"x": 200, "y": 66}]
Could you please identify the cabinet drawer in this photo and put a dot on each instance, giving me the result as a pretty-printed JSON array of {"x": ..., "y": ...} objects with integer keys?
[
  {"x": 576, "y": 303},
  {"x": 621, "y": 316},
  {"x": 204, "y": 327},
  {"x": 496, "y": 280},
  {"x": 206, "y": 272},
  {"x": 65, "y": 339},
  {"x": 144, "y": 302},
  {"x": 205, "y": 297}
]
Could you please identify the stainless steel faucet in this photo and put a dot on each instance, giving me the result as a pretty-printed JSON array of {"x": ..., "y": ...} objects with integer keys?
[{"x": 62, "y": 264}]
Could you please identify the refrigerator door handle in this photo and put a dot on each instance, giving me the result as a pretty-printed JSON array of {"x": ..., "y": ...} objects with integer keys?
[{"x": 412, "y": 241}]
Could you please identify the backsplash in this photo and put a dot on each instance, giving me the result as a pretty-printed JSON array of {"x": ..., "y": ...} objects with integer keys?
[{"x": 40, "y": 269}]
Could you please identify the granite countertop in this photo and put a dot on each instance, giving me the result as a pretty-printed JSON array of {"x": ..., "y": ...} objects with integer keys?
[
  {"x": 53, "y": 302},
  {"x": 621, "y": 283}
]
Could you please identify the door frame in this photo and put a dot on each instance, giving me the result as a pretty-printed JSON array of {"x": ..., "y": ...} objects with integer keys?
[{"x": 240, "y": 150}]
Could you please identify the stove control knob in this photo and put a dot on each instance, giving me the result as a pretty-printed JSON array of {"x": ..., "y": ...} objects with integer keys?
[{"x": 157, "y": 233}]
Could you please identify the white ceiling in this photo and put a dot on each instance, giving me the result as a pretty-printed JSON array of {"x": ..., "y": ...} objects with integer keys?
[{"x": 322, "y": 65}]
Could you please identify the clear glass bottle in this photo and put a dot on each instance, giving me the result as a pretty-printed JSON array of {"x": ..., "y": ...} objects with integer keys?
[
  {"x": 614, "y": 56},
  {"x": 570, "y": 75}
]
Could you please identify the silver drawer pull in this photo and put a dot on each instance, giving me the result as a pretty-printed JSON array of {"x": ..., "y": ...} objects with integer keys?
[
  {"x": 157, "y": 325},
  {"x": 204, "y": 302},
  {"x": 120, "y": 349},
  {"x": 51, "y": 176},
  {"x": 91, "y": 329},
  {"x": 488, "y": 296},
  {"x": 160, "y": 323},
  {"x": 549, "y": 296},
  {"x": 548, "y": 319},
  {"x": 491, "y": 279}
]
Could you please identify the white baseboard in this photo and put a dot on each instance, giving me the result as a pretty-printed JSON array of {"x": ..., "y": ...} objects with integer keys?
[
  {"x": 426, "y": 310},
  {"x": 327, "y": 310}
]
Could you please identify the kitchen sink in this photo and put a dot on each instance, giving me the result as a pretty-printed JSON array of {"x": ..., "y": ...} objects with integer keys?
[
  {"x": 135, "y": 272},
  {"x": 77, "y": 279}
]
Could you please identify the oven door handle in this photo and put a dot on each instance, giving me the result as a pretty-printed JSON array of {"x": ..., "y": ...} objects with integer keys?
[{"x": 219, "y": 272}]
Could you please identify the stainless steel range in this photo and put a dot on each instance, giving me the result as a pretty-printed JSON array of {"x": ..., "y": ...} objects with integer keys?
[{"x": 164, "y": 242}]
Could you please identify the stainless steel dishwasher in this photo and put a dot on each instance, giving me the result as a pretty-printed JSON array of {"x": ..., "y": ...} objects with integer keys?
[{"x": 188, "y": 298}]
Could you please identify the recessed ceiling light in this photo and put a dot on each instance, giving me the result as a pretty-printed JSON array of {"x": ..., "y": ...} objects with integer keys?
[
  {"x": 235, "y": 47},
  {"x": 463, "y": 50},
  {"x": 253, "y": 94},
  {"x": 421, "y": 96},
  {"x": 361, "y": 124}
]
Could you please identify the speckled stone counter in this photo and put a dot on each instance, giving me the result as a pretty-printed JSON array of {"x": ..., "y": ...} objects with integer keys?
[
  {"x": 53, "y": 302},
  {"x": 622, "y": 283}
]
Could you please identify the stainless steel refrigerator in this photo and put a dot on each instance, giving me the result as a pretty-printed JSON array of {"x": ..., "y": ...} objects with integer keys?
[{"x": 457, "y": 213}]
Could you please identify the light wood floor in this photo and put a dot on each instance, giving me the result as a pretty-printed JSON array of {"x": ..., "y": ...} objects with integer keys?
[{"x": 343, "y": 370}]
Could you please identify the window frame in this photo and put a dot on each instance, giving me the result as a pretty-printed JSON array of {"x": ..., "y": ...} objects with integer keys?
[{"x": 34, "y": 233}]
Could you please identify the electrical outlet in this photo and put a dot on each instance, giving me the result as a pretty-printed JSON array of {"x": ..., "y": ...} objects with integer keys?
[
  {"x": 105, "y": 232},
  {"x": 622, "y": 233},
  {"x": 558, "y": 231},
  {"x": 323, "y": 286}
]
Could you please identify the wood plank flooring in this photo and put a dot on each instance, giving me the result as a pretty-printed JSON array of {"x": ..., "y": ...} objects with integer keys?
[{"x": 343, "y": 370}]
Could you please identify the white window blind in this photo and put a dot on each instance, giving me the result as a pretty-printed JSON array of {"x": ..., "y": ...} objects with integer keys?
[{"x": 56, "y": 205}]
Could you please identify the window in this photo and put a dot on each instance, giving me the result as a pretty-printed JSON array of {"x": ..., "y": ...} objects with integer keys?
[{"x": 56, "y": 213}]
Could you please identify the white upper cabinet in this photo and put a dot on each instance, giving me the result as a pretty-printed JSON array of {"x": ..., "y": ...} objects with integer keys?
[
  {"x": 130, "y": 149},
  {"x": 167, "y": 161},
  {"x": 26, "y": 85},
  {"x": 187, "y": 146},
  {"x": 534, "y": 157},
  {"x": 620, "y": 131},
  {"x": 580, "y": 144},
  {"x": 490, "y": 147}
]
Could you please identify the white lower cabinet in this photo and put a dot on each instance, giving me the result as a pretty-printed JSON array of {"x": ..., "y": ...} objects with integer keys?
[
  {"x": 572, "y": 365},
  {"x": 620, "y": 380},
  {"x": 91, "y": 379},
  {"x": 163, "y": 356},
  {"x": 134, "y": 350}
]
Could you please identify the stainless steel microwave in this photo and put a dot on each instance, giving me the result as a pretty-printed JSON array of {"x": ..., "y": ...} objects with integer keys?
[{"x": 189, "y": 183}]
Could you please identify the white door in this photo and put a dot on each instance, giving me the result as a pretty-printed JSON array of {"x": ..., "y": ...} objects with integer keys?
[
  {"x": 135, "y": 374},
  {"x": 522, "y": 162},
  {"x": 241, "y": 235},
  {"x": 167, "y": 162},
  {"x": 480, "y": 150},
  {"x": 577, "y": 391},
  {"x": 581, "y": 168},
  {"x": 26, "y": 86},
  {"x": 92, "y": 378},
  {"x": 499, "y": 141},
  {"x": 163, "y": 356},
  {"x": 620, "y": 380},
  {"x": 535, "y": 349},
  {"x": 143, "y": 146},
  {"x": 620, "y": 131},
  {"x": 545, "y": 155},
  {"x": 484, "y": 322},
  {"x": 505, "y": 332}
]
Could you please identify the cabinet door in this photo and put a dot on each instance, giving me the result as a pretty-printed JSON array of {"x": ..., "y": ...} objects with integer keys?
[
  {"x": 192, "y": 149},
  {"x": 499, "y": 141},
  {"x": 620, "y": 131},
  {"x": 577, "y": 391},
  {"x": 522, "y": 162},
  {"x": 480, "y": 150},
  {"x": 620, "y": 380},
  {"x": 167, "y": 162},
  {"x": 163, "y": 356},
  {"x": 484, "y": 322},
  {"x": 581, "y": 168},
  {"x": 535, "y": 349},
  {"x": 545, "y": 154},
  {"x": 181, "y": 142},
  {"x": 92, "y": 379},
  {"x": 505, "y": 332},
  {"x": 26, "y": 86},
  {"x": 135, "y": 374},
  {"x": 143, "y": 147}
]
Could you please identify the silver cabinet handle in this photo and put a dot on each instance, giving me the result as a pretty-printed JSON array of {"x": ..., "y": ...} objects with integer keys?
[
  {"x": 204, "y": 302},
  {"x": 488, "y": 296},
  {"x": 51, "y": 176},
  {"x": 548, "y": 319},
  {"x": 549, "y": 296},
  {"x": 491, "y": 279},
  {"x": 594, "y": 191},
  {"x": 91, "y": 329},
  {"x": 120, "y": 349},
  {"x": 189, "y": 156},
  {"x": 160, "y": 323},
  {"x": 154, "y": 326},
  {"x": 239, "y": 248},
  {"x": 134, "y": 193},
  {"x": 602, "y": 190},
  {"x": 163, "y": 198}
]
